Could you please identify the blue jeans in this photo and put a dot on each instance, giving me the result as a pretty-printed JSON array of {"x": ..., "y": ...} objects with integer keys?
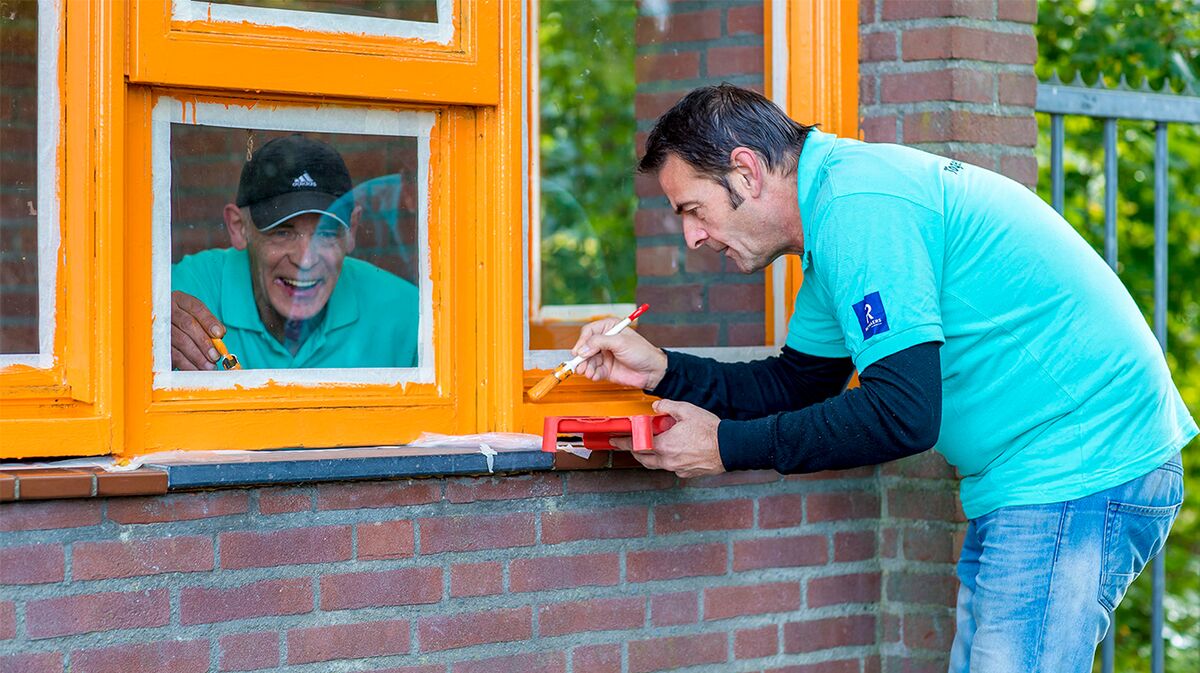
[{"x": 1038, "y": 583}]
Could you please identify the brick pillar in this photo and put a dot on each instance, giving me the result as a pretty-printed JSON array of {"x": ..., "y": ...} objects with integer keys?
[{"x": 952, "y": 77}]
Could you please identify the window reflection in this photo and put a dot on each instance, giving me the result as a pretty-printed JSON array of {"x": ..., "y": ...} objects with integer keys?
[
  {"x": 606, "y": 237},
  {"x": 406, "y": 10},
  {"x": 305, "y": 252},
  {"x": 18, "y": 178}
]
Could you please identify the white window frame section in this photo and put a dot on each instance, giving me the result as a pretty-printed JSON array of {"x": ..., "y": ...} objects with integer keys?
[
  {"x": 49, "y": 229},
  {"x": 319, "y": 119},
  {"x": 441, "y": 32},
  {"x": 531, "y": 168}
]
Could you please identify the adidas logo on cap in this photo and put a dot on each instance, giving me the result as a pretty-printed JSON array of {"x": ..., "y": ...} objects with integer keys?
[{"x": 305, "y": 180}]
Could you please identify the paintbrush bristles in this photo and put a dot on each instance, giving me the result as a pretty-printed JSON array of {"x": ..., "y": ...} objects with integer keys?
[{"x": 560, "y": 374}]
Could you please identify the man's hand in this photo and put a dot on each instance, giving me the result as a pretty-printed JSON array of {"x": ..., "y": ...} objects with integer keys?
[
  {"x": 192, "y": 329},
  {"x": 627, "y": 359},
  {"x": 689, "y": 448}
]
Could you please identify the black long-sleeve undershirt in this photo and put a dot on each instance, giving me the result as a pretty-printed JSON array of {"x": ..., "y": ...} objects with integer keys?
[{"x": 786, "y": 413}]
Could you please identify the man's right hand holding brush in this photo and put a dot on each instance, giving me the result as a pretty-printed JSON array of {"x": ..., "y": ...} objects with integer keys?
[{"x": 626, "y": 358}]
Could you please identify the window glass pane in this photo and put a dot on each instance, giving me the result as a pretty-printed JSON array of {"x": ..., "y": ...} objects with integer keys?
[
  {"x": 18, "y": 178},
  {"x": 308, "y": 251},
  {"x": 407, "y": 10},
  {"x": 606, "y": 236}
]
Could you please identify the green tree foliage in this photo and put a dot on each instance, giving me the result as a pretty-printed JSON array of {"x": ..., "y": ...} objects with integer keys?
[
  {"x": 1158, "y": 41},
  {"x": 587, "y": 151}
]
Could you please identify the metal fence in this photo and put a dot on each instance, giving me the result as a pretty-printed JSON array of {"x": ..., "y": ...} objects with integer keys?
[{"x": 1111, "y": 105}]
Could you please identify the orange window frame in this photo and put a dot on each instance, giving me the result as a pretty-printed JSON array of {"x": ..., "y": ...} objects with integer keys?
[{"x": 821, "y": 80}]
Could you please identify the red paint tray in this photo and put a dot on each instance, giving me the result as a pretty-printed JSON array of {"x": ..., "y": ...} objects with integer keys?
[{"x": 597, "y": 430}]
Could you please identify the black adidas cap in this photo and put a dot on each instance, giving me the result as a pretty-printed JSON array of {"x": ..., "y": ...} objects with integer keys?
[{"x": 291, "y": 176}]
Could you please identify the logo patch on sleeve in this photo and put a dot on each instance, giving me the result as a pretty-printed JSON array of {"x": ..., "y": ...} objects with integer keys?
[{"x": 871, "y": 316}]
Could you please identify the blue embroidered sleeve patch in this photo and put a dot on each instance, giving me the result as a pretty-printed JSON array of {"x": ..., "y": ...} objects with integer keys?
[{"x": 871, "y": 316}]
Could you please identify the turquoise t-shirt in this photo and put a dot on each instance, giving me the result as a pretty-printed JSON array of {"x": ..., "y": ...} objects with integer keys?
[
  {"x": 1053, "y": 386},
  {"x": 370, "y": 321}
]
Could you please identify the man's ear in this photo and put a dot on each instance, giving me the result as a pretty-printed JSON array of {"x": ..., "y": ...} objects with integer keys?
[
  {"x": 236, "y": 225},
  {"x": 748, "y": 169},
  {"x": 355, "y": 222}
]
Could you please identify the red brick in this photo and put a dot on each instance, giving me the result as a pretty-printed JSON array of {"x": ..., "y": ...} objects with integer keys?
[
  {"x": 780, "y": 552},
  {"x": 756, "y": 643},
  {"x": 928, "y": 505},
  {"x": 923, "y": 588},
  {"x": 838, "y": 666},
  {"x": 563, "y": 572},
  {"x": 596, "y": 659},
  {"x": 1022, "y": 168},
  {"x": 645, "y": 186},
  {"x": 87, "y": 613},
  {"x": 32, "y": 564},
  {"x": 931, "y": 464},
  {"x": 680, "y": 336},
  {"x": 689, "y": 517},
  {"x": 653, "y": 105},
  {"x": 406, "y": 586},
  {"x": 668, "y": 66},
  {"x": 347, "y": 641},
  {"x": 603, "y": 614},
  {"x": 676, "y": 608},
  {"x": 898, "y": 10},
  {"x": 449, "y": 632},
  {"x": 536, "y": 662},
  {"x": 1023, "y": 11},
  {"x": 249, "y": 651},
  {"x": 703, "y": 260},
  {"x": 963, "y": 126},
  {"x": 853, "y": 546},
  {"x": 877, "y": 47},
  {"x": 737, "y": 297},
  {"x": 744, "y": 21},
  {"x": 622, "y": 481},
  {"x": 179, "y": 507},
  {"x": 738, "y": 478},
  {"x": 294, "y": 546},
  {"x": 826, "y": 634},
  {"x": 1018, "y": 89},
  {"x": 55, "y": 514},
  {"x": 190, "y": 656},
  {"x": 504, "y": 488},
  {"x": 685, "y": 27},
  {"x": 958, "y": 42},
  {"x": 841, "y": 505},
  {"x": 866, "y": 90},
  {"x": 725, "y": 61},
  {"x": 473, "y": 533},
  {"x": 958, "y": 84},
  {"x": 377, "y": 494},
  {"x": 879, "y": 129},
  {"x": 605, "y": 524},
  {"x": 385, "y": 540},
  {"x": 658, "y": 221},
  {"x": 674, "y": 563},
  {"x": 928, "y": 632},
  {"x": 657, "y": 260},
  {"x": 933, "y": 546},
  {"x": 476, "y": 579},
  {"x": 41, "y": 662},
  {"x": 781, "y": 511},
  {"x": 284, "y": 500},
  {"x": 107, "y": 560},
  {"x": 673, "y": 298},
  {"x": 203, "y": 605},
  {"x": 8, "y": 620},
  {"x": 756, "y": 599},
  {"x": 839, "y": 589},
  {"x": 664, "y": 654}
]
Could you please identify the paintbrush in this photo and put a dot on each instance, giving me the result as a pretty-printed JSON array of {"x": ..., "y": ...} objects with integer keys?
[{"x": 565, "y": 370}]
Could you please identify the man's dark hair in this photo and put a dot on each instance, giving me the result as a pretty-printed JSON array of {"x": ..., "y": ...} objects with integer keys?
[{"x": 706, "y": 126}]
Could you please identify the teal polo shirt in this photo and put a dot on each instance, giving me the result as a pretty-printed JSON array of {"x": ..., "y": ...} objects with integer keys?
[
  {"x": 1053, "y": 386},
  {"x": 370, "y": 321}
]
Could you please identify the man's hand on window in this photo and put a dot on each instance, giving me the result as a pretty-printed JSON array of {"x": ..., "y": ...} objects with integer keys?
[{"x": 193, "y": 327}]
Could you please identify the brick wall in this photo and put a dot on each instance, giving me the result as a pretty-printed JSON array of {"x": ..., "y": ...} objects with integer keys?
[
  {"x": 699, "y": 298},
  {"x": 590, "y": 571}
]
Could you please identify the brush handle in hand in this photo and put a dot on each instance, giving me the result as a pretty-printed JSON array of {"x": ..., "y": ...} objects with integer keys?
[{"x": 613, "y": 331}]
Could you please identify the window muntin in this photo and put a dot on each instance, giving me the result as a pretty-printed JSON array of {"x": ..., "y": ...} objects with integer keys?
[
  {"x": 196, "y": 142},
  {"x": 29, "y": 182},
  {"x": 591, "y": 116},
  {"x": 425, "y": 20}
]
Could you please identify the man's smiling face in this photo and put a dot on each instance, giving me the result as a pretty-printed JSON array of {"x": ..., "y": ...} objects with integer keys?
[{"x": 295, "y": 266}]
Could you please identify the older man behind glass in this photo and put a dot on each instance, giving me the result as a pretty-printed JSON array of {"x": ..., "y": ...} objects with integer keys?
[{"x": 286, "y": 295}]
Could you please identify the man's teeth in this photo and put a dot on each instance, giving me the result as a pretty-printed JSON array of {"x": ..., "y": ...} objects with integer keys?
[{"x": 299, "y": 284}]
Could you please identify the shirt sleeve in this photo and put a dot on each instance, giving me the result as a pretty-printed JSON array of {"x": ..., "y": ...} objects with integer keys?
[
  {"x": 880, "y": 256},
  {"x": 813, "y": 330}
]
